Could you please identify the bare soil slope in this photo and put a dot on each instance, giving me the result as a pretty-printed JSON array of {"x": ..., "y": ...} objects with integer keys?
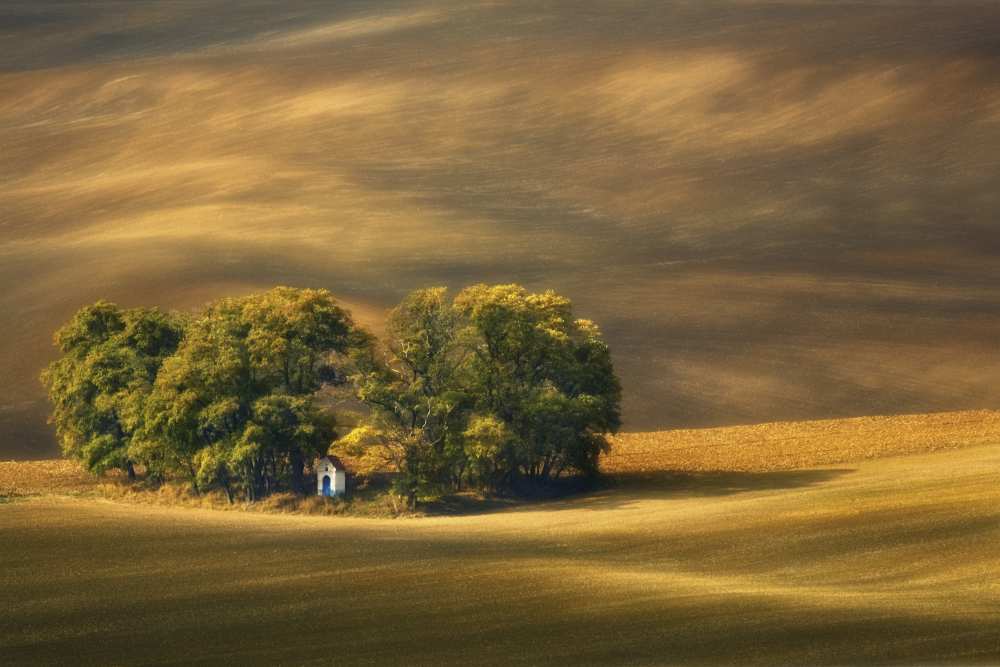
[
  {"x": 790, "y": 445},
  {"x": 775, "y": 210}
]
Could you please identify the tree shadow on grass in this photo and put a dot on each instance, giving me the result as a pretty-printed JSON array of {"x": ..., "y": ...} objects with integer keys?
[
  {"x": 720, "y": 482},
  {"x": 624, "y": 490}
]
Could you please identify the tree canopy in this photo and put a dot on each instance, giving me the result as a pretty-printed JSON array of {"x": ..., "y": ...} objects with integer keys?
[
  {"x": 495, "y": 387},
  {"x": 99, "y": 387},
  {"x": 492, "y": 389},
  {"x": 234, "y": 405}
]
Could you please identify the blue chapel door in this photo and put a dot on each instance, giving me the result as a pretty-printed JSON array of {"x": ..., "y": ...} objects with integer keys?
[{"x": 326, "y": 485}]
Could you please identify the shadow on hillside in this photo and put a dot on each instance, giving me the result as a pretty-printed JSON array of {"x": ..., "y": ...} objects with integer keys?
[
  {"x": 623, "y": 490},
  {"x": 720, "y": 482}
]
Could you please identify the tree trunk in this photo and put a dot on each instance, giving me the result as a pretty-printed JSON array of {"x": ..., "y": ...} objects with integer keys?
[
  {"x": 546, "y": 468},
  {"x": 130, "y": 469},
  {"x": 194, "y": 478},
  {"x": 298, "y": 467}
]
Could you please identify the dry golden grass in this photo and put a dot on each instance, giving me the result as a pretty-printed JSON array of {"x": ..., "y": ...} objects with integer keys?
[
  {"x": 792, "y": 445},
  {"x": 54, "y": 476},
  {"x": 61, "y": 477},
  {"x": 179, "y": 494},
  {"x": 886, "y": 561},
  {"x": 754, "y": 448}
]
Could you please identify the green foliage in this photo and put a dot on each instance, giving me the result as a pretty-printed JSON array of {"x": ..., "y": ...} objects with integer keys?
[
  {"x": 416, "y": 395},
  {"x": 546, "y": 376},
  {"x": 234, "y": 406},
  {"x": 491, "y": 389},
  {"x": 486, "y": 441},
  {"x": 497, "y": 387},
  {"x": 100, "y": 385}
]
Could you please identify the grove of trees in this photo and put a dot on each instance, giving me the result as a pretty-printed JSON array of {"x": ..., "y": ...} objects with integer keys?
[{"x": 493, "y": 389}]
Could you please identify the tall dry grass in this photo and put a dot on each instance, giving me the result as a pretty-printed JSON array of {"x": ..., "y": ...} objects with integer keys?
[
  {"x": 182, "y": 495},
  {"x": 61, "y": 477}
]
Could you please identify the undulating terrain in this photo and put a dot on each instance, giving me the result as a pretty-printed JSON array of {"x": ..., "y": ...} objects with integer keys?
[
  {"x": 776, "y": 210},
  {"x": 887, "y": 560}
]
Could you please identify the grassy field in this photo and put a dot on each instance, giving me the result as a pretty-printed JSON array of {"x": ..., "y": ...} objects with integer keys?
[{"x": 886, "y": 560}]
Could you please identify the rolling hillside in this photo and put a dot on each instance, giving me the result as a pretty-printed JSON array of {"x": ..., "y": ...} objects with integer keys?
[
  {"x": 775, "y": 210},
  {"x": 882, "y": 560},
  {"x": 792, "y": 445}
]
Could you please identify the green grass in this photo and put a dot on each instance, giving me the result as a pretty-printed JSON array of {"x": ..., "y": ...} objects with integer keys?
[{"x": 892, "y": 560}]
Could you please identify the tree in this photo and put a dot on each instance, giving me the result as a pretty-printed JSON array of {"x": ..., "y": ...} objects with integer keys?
[
  {"x": 493, "y": 388},
  {"x": 234, "y": 406},
  {"x": 99, "y": 386},
  {"x": 416, "y": 397},
  {"x": 546, "y": 376},
  {"x": 485, "y": 440}
]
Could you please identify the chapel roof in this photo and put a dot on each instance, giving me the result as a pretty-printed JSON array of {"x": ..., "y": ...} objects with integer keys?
[{"x": 337, "y": 463}]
